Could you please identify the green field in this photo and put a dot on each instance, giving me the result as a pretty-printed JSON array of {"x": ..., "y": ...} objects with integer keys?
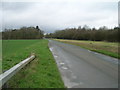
[
  {"x": 0, "y": 56},
  {"x": 107, "y": 48},
  {"x": 40, "y": 73}
]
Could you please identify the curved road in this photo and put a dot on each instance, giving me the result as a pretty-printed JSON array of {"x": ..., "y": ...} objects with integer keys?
[{"x": 81, "y": 68}]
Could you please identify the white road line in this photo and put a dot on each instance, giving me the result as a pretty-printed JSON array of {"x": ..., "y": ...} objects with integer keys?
[
  {"x": 51, "y": 49},
  {"x": 55, "y": 56},
  {"x": 64, "y": 68},
  {"x": 62, "y": 63},
  {"x": 89, "y": 51}
]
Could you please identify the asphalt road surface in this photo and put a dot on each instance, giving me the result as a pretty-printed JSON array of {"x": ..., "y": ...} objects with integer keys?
[{"x": 81, "y": 68}]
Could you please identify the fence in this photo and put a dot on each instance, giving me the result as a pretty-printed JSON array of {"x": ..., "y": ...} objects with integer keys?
[{"x": 4, "y": 77}]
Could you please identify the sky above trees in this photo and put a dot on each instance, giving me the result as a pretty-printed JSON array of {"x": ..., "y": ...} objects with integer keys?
[{"x": 51, "y": 15}]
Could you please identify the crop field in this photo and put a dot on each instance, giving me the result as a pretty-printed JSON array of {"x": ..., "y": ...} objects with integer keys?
[
  {"x": 40, "y": 73},
  {"x": 107, "y": 48}
]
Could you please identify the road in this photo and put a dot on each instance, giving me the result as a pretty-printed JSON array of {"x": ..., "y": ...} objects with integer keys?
[{"x": 81, "y": 68}]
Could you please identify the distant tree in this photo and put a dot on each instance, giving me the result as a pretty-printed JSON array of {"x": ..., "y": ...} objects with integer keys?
[
  {"x": 103, "y": 28},
  {"x": 79, "y": 28},
  {"x": 86, "y": 33},
  {"x": 116, "y": 28},
  {"x": 23, "y": 33},
  {"x": 37, "y": 27},
  {"x": 85, "y": 27}
]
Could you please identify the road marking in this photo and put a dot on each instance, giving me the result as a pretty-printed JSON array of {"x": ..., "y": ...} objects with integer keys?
[
  {"x": 51, "y": 49},
  {"x": 62, "y": 63},
  {"x": 64, "y": 68},
  {"x": 89, "y": 51},
  {"x": 95, "y": 53},
  {"x": 55, "y": 56}
]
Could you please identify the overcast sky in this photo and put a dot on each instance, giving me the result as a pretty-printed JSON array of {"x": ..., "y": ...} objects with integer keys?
[{"x": 51, "y": 15}]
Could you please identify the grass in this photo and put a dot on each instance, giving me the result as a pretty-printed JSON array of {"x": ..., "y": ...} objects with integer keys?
[
  {"x": 40, "y": 73},
  {"x": 107, "y": 48},
  {"x": 0, "y": 56}
]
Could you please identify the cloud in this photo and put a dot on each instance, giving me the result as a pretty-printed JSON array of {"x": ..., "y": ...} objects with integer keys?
[
  {"x": 53, "y": 15},
  {"x": 48, "y": 1},
  {"x": 119, "y": 13}
]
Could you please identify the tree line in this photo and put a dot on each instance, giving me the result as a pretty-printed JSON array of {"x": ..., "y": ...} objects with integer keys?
[
  {"x": 23, "y": 33},
  {"x": 86, "y": 33}
]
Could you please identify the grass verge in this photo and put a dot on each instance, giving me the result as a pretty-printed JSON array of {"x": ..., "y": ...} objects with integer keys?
[
  {"x": 40, "y": 73},
  {"x": 107, "y": 48}
]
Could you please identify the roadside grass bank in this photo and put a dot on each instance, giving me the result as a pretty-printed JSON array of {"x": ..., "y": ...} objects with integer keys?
[
  {"x": 107, "y": 48},
  {"x": 40, "y": 73}
]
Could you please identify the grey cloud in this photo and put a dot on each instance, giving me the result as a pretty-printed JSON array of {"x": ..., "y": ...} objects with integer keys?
[
  {"x": 119, "y": 13},
  {"x": 16, "y": 6},
  {"x": 59, "y": 15}
]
